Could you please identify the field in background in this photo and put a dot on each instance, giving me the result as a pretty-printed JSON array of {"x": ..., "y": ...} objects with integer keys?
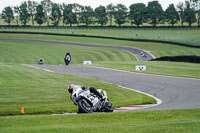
[
  {"x": 157, "y": 49},
  {"x": 181, "y": 35}
]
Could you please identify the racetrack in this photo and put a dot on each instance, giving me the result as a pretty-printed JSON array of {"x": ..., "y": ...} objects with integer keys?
[{"x": 175, "y": 92}]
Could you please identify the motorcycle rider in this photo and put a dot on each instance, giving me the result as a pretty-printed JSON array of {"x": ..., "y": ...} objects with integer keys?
[
  {"x": 67, "y": 58},
  {"x": 92, "y": 90}
]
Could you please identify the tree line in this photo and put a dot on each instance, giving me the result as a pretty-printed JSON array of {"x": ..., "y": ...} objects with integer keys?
[{"x": 48, "y": 12}]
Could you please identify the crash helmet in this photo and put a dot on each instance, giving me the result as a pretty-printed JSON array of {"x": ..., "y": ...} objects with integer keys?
[
  {"x": 84, "y": 87},
  {"x": 70, "y": 88}
]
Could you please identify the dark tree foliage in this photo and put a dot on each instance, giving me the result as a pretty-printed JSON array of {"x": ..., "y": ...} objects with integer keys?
[
  {"x": 196, "y": 4},
  {"x": 47, "y": 6},
  {"x": 32, "y": 9},
  {"x": 188, "y": 11},
  {"x": 87, "y": 15},
  {"x": 16, "y": 11},
  {"x": 7, "y": 15},
  {"x": 110, "y": 9},
  {"x": 137, "y": 14},
  {"x": 77, "y": 10},
  {"x": 189, "y": 14},
  {"x": 180, "y": 7},
  {"x": 120, "y": 14},
  {"x": 69, "y": 17},
  {"x": 172, "y": 15},
  {"x": 55, "y": 14},
  {"x": 101, "y": 15},
  {"x": 39, "y": 16},
  {"x": 155, "y": 13},
  {"x": 24, "y": 15}
]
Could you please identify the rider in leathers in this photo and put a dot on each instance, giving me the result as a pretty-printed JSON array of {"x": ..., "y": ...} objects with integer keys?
[{"x": 92, "y": 90}]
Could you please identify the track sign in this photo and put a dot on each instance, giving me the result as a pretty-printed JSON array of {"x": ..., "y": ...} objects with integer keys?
[
  {"x": 87, "y": 62},
  {"x": 140, "y": 68}
]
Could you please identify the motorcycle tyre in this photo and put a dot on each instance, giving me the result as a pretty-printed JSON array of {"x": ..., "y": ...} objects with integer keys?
[{"x": 81, "y": 108}]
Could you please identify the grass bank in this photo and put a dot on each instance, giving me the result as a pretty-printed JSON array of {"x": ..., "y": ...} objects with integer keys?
[
  {"x": 41, "y": 92},
  {"x": 177, "y": 121},
  {"x": 30, "y": 52},
  {"x": 158, "y": 49}
]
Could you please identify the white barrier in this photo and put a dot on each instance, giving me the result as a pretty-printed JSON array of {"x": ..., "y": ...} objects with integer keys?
[
  {"x": 140, "y": 68},
  {"x": 87, "y": 62}
]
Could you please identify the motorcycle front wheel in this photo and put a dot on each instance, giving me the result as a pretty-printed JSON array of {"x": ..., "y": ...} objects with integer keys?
[{"x": 84, "y": 106}]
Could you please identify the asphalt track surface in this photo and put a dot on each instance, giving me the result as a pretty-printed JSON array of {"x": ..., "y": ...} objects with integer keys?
[
  {"x": 174, "y": 92},
  {"x": 135, "y": 51}
]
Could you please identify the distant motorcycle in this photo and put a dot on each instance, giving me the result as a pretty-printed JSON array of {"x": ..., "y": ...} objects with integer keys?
[
  {"x": 67, "y": 58},
  {"x": 87, "y": 102}
]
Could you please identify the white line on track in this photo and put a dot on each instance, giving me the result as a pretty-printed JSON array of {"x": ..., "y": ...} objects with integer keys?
[{"x": 39, "y": 68}]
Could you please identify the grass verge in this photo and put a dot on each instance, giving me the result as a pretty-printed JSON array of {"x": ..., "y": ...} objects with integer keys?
[
  {"x": 41, "y": 92},
  {"x": 177, "y": 121}
]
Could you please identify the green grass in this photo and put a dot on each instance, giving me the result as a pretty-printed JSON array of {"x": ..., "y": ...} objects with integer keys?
[
  {"x": 157, "y": 49},
  {"x": 29, "y": 53},
  {"x": 41, "y": 92},
  {"x": 188, "y": 36},
  {"x": 173, "y": 121},
  {"x": 177, "y": 69}
]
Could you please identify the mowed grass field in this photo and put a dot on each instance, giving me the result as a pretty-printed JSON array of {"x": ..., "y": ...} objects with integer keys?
[
  {"x": 44, "y": 93},
  {"x": 41, "y": 92},
  {"x": 30, "y": 52},
  {"x": 189, "y": 36},
  {"x": 172, "y": 121},
  {"x": 33, "y": 88}
]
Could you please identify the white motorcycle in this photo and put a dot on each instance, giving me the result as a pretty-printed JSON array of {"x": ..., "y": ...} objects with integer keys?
[{"x": 88, "y": 102}]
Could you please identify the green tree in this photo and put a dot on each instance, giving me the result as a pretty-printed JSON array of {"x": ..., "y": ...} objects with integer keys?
[
  {"x": 120, "y": 14},
  {"x": 55, "y": 14},
  {"x": 155, "y": 13},
  {"x": 7, "y": 15},
  {"x": 110, "y": 9},
  {"x": 87, "y": 15},
  {"x": 196, "y": 4},
  {"x": 62, "y": 6},
  {"x": 47, "y": 6},
  {"x": 100, "y": 13},
  {"x": 32, "y": 9},
  {"x": 137, "y": 14},
  {"x": 69, "y": 16},
  {"x": 39, "y": 16},
  {"x": 24, "y": 15},
  {"x": 17, "y": 12},
  {"x": 172, "y": 15},
  {"x": 189, "y": 13},
  {"x": 180, "y": 7},
  {"x": 77, "y": 10}
]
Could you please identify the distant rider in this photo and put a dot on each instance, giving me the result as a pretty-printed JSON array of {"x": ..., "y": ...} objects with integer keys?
[{"x": 67, "y": 58}]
